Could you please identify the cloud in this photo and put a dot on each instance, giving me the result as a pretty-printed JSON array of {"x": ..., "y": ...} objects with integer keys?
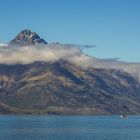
[
  {"x": 110, "y": 59},
  {"x": 55, "y": 52},
  {"x": 3, "y": 44},
  {"x": 89, "y": 46},
  {"x": 80, "y": 46},
  {"x": 47, "y": 53},
  {"x": 131, "y": 68}
]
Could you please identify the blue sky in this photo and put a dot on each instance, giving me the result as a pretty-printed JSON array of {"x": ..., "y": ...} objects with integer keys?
[{"x": 112, "y": 25}]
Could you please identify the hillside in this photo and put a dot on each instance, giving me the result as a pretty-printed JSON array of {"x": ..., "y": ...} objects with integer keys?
[{"x": 64, "y": 88}]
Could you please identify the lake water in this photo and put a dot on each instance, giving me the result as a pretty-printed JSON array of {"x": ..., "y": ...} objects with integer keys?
[{"x": 69, "y": 128}]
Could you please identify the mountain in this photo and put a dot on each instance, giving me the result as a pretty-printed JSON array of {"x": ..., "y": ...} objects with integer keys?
[
  {"x": 64, "y": 88},
  {"x": 27, "y": 37},
  {"x": 61, "y": 87}
]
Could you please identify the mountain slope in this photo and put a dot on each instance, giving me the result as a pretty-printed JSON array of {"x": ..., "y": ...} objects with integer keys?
[{"x": 63, "y": 88}]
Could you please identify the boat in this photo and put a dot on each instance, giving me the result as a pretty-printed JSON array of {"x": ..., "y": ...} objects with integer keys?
[{"x": 123, "y": 115}]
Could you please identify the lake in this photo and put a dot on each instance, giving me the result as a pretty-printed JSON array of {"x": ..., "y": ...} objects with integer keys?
[{"x": 69, "y": 128}]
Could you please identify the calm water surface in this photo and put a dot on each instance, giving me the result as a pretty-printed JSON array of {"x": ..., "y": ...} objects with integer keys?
[{"x": 69, "y": 128}]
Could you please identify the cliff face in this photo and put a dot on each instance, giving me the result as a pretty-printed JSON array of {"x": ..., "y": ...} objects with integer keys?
[{"x": 63, "y": 88}]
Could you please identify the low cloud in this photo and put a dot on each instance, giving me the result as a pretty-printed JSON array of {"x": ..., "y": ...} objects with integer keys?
[
  {"x": 131, "y": 68},
  {"x": 68, "y": 52},
  {"x": 48, "y": 53},
  {"x": 80, "y": 46},
  {"x": 3, "y": 44}
]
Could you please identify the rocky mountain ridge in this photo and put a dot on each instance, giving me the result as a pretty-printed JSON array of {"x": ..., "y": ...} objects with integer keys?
[{"x": 27, "y": 37}]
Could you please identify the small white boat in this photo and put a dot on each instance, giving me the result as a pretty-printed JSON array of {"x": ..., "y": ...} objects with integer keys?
[{"x": 124, "y": 115}]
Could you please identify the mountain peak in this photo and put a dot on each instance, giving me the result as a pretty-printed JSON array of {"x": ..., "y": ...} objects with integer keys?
[{"x": 27, "y": 37}]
